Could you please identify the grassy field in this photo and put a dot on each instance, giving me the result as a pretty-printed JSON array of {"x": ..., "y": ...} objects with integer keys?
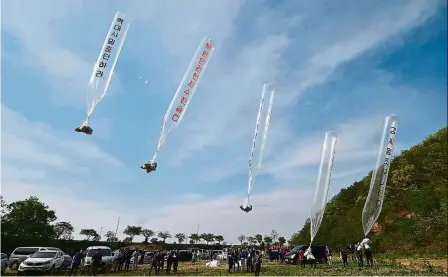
[{"x": 384, "y": 266}]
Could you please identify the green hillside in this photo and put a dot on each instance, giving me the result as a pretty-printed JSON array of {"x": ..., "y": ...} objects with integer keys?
[{"x": 415, "y": 210}]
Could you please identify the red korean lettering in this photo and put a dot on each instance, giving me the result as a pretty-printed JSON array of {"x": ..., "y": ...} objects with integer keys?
[
  {"x": 175, "y": 117},
  {"x": 111, "y": 41},
  {"x": 208, "y": 46},
  {"x": 205, "y": 54},
  {"x": 179, "y": 109},
  {"x": 184, "y": 100},
  {"x": 195, "y": 76},
  {"x": 199, "y": 68},
  {"x": 187, "y": 91},
  {"x": 191, "y": 84},
  {"x": 99, "y": 73},
  {"x": 108, "y": 49},
  {"x": 202, "y": 61},
  {"x": 102, "y": 64}
]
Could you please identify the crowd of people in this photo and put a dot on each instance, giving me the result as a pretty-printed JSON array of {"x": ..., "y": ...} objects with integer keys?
[{"x": 249, "y": 260}]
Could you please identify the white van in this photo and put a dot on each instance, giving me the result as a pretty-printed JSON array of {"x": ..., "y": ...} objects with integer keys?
[{"x": 106, "y": 253}]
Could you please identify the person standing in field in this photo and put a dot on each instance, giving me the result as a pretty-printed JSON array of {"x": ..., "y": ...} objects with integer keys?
[
  {"x": 329, "y": 256},
  {"x": 344, "y": 257},
  {"x": 76, "y": 262},
  {"x": 230, "y": 261},
  {"x": 359, "y": 255},
  {"x": 257, "y": 263}
]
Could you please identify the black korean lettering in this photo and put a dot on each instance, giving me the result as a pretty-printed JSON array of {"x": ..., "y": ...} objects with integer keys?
[
  {"x": 386, "y": 161},
  {"x": 106, "y": 56},
  {"x": 115, "y": 34},
  {"x": 99, "y": 73},
  {"x": 111, "y": 41},
  {"x": 108, "y": 49},
  {"x": 388, "y": 151},
  {"x": 391, "y": 141},
  {"x": 102, "y": 64},
  {"x": 120, "y": 20},
  {"x": 117, "y": 27},
  {"x": 393, "y": 130}
]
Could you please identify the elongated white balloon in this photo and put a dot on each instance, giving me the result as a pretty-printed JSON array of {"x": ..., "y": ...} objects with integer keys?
[
  {"x": 104, "y": 67},
  {"x": 375, "y": 198},
  {"x": 253, "y": 171},
  {"x": 183, "y": 96},
  {"x": 323, "y": 182}
]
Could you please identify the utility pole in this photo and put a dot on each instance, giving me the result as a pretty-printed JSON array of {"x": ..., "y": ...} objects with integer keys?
[{"x": 118, "y": 224}]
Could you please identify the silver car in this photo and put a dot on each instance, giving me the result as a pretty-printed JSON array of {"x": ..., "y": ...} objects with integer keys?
[
  {"x": 20, "y": 254},
  {"x": 5, "y": 262}
]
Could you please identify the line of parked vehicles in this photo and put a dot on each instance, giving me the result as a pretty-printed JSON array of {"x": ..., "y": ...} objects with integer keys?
[{"x": 28, "y": 260}]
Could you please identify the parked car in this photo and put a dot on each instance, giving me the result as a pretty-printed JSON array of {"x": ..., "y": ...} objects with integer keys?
[
  {"x": 44, "y": 261},
  {"x": 317, "y": 250},
  {"x": 20, "y": 254},
  {"x": 67, "y": 262},
  {"x": 106, "y": 253},
  {"x": 5, "y": 262}
]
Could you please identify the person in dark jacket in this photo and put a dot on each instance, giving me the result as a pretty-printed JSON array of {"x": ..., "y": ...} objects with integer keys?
[
  {"x": 127, "y": 259},
  {"x": 249, "y": 262},
  {"x": 97, "y": 259},
  {"x": 154, "y": 264},
  {"x": 76, "y": 262},
  {"x": 175, "y": 261},
  {"x": 344, "y": 257},
  {"x": 230, "y": 261},
  {"x": 169, "y": 262},
  {"x": 257, "y": 263}
]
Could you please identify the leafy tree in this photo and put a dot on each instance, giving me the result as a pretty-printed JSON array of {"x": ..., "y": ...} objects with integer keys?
[
  {"x": 274, "y": 235},
  {"x": 111, "y": 237},
  {"x": 96, "y": 238},
  {"x": 154, "y": 240},
  {"x": 259, "y": 238},
  {"x": 128, "y": 240},
  {"x": 268, "y": 240},
  {"x": 147, "y": 234},
  {"x": 194, "y": 237},
  {"x": 132, "y": 231},
  {"x": 164, "y": 235},
  {"x": 241, "y": 238},
  {"x": 281, "y": 240},
  {"x": 251, "y": 240},
  {"x": 219, "y": 238},
  {"x": 27, "y": 221},
  {"x": 63, "y": 230},
  {"x": 89, "y": 233},
  {"x": 180, "y": 237},
  {"x": 208, "y": 237}
]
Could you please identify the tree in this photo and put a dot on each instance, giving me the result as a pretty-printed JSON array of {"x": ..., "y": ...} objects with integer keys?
[
  {"x": 96, "y": 238},
  {"x": 251, "y": 240},
  {"x": 241, "y": 238},
  {"x": 259, "y": 238},
  {"x": 208, "y": 237},
  {"x": 27, "y": 221},
  {"x": 194, "y": 237},
  {"x": 132, "y": 231},
  {"x": 89, "y": 233},
  {"x": 63, "y": 230},
  {"x": 268, "y": 240},
  {"x": 147, "y": 234},
  {"x": 219, "y": 238},
  {"x": 274, "y": 235},
  {"x": 281, "y": 240},
  {"x": 180, "y": 237},
  {"x": 164, "y": 235},
  {"x": 127, "y": 240},
  {"x": 154, "y": 240},
  {"x": 111, "y": 237}
]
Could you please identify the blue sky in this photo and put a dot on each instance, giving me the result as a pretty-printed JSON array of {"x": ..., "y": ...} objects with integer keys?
[{"x": 343, "y": 70}]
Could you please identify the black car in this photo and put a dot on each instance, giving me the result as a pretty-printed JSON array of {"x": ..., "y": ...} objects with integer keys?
[{"x": 317, "y": 250}]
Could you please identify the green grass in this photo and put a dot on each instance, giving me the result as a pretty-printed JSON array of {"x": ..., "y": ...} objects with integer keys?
[{"x": 276, "y": 269}]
